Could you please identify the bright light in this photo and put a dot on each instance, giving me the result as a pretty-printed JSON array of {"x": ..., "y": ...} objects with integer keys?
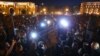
[
  {"x": 34, "y": 35},
  {"x": 58, "y": 13},
  {"x": 43, "y": 24},
  {"x": 98, "y": 13},
  {"x": 3, "y": 12},
  {"x": 64, "y": 23},
  {"x": 6, "y": 3},
  {"x": 48, "y": 22},
  {"x": 22, "y": 3},
  {"x": 9, "y": 3},
  {"x": 44, "y": 9},
  {"x": 1, "y": 3},
  {"x": 66, "y": 9}
]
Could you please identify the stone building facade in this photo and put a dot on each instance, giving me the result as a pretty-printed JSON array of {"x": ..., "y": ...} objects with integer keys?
[
  {"x": 18, "y": 7},
  {"x": 90, "y": 8}
]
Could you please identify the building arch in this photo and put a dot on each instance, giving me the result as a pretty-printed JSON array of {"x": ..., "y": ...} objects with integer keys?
[{"x": 11, "y": 10}]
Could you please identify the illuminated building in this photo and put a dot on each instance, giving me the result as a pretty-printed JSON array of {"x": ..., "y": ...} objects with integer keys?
[
  {"x": 90, "y": 8},
  {"x": 18, "y": 7}
]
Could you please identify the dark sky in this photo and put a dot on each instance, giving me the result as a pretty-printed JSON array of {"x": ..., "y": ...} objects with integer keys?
[
  {"x": 59, "y": 2},
  {"x": 56, "y": 2}
]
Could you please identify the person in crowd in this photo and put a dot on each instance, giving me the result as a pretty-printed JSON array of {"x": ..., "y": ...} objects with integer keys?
[
  {"x": 95, "y": 49},
  {"x": 41, "y": 48},
  {"x": 80, "y": 35},
  {"x": 9, "y": 52},
  {"x": 32, "y": 50}
]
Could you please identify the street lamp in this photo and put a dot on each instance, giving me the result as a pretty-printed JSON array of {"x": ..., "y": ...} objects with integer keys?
[
  {"x": 66, "y": 9},
  {"x": 44, "y": 9}
]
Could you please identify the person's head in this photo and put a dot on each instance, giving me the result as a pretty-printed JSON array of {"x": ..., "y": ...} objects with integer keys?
[
  {"x": 1, "y": 27},
  {"x": 74, "y": 45},
  {"x": 21, "y": 34},
  {"x": 18, "y": 47},
  {"x": 95, "y": 45},
  {"x": 40, "y": 43},
  {"x": 81, "y": 27}
]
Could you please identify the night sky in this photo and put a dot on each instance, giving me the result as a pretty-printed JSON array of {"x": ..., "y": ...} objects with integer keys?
[
  {"x": 59, "y": 2},
  {"x": 56, "y": 2}
]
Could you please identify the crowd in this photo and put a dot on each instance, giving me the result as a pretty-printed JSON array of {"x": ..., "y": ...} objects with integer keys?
[{"x": 81, "y": 40}]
